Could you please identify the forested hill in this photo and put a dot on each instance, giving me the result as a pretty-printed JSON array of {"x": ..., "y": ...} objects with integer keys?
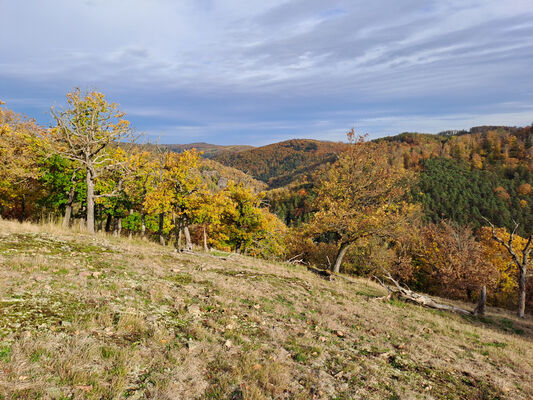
[
  {"x": 208, "y": 150},
  {"x": 465, "y": 176},
  {"x": 281, "y": 163}
]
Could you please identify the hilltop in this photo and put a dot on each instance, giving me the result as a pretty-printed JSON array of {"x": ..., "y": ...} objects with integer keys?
[
  {"x": 208, "y": 150},
  {"x": 281, "y": 163},
  {"x": 106, "y": 317}
]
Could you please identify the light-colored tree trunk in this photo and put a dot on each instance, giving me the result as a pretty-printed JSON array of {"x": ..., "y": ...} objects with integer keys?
[
  {"x": 66, "y": 217},
  {"x": 340, "y": 256},
  {"x": 206, "y": 248},
  {"x": 188, "y": 242},
  {"x": 90, "y": 202},
  {"x": 143, "y": 226}
]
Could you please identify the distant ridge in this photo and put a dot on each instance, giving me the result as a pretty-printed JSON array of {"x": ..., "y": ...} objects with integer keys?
[
  {"x": 209, "y": 150},
  {"x": 279, "y": 164}
]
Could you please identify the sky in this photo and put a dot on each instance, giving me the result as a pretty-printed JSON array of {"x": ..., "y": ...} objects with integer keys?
[{"x": 257, "y": 72}]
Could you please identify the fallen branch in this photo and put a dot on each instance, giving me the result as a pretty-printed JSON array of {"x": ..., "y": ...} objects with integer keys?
[
  {"x": 409, "y": 295},
  {"x": 295, "y": 260}
]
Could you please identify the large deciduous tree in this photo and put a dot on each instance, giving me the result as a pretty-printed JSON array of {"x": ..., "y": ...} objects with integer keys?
[
  {"x": 359, "y": 196},
  {"x": 85, "y": 131}
]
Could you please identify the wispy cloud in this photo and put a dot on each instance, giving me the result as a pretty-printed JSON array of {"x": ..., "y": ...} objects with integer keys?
[{"x": 254, "y": 72}]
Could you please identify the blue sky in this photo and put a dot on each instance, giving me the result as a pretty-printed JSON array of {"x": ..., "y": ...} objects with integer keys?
[{"x": 257, "y": 72}]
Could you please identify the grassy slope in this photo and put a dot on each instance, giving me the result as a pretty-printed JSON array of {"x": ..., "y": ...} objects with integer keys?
[{"x": 103, "y": 317}]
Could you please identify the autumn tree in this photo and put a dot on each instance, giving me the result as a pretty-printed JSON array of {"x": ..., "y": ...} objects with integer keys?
[
  {"x": 182, "y": 180},
  {"x": 20, "y": 139},
  {"x": 359, "y": 196},
  {"x": 453, "y": 262},
  {"x": 519, "y": 250},
  {"x": 170, "y": 193},
  {"x": 85, "y": 132}
]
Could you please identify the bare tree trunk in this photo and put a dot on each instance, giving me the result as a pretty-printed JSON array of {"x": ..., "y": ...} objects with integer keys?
[
  {"x": 130, "y": 235},
  {"x": 188, "y": 242},
  {"x": 109, "y": 220},
  {"x": 90, "y": 202},
  {"x": 480, "y": 309},
  {"x": 522, "y": 291},
  {"x": 119, "y": 226},
  {"x": 115, "y": 226},
  {"x": 179, "y": 240},
  {"x": 160, "y": 231},
  {"x": 68, "y": 208},
  {"x": 206, "y": 249},
  {"x": 143, "y": 226},
  {"x": 340, "y": 255}
]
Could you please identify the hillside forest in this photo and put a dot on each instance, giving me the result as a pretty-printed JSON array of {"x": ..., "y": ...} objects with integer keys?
[{"x": 445, "y": 214}]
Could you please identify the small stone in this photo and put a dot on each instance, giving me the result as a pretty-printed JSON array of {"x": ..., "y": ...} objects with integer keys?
[
  {"x": 257, "y": 306},
  {"x": 339, "y": 333},
  {"x": 323, "y": 339},
  {"x": 228, "y": 344},
  {"x": 194, "y": 310},
  {"x": 96, "y": 274},
  {"x": 339, "y": 374},
  {"x": 257, "y": 367}
]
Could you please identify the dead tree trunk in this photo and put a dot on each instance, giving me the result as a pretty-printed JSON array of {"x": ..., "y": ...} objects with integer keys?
[{"x": 426, "y": 301}]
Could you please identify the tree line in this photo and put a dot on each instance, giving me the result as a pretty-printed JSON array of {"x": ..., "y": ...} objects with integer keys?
[
  {"x": 444, "y": 214},
  {"x": 89, "y": 166}
]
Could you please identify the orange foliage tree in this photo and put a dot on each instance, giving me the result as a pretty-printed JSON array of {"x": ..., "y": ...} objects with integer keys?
[
  {"x": 454, "y": 261},
  {"x": 359, "y": 196}
]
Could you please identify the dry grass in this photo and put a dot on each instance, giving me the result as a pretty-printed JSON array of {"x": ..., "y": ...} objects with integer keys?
[{"x": 101, "y": 317}]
